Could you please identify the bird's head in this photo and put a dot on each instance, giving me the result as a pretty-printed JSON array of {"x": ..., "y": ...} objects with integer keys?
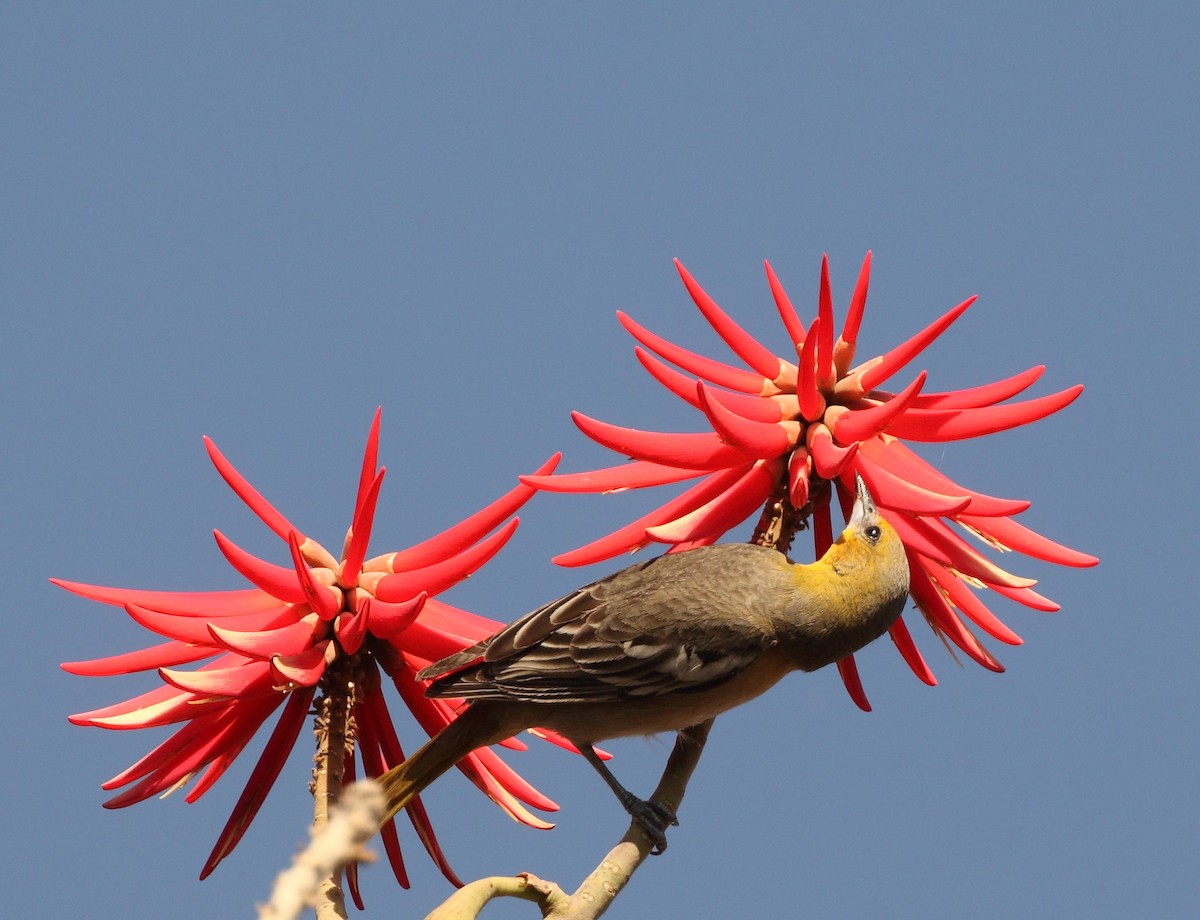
[{"x": 869, "y": 545}]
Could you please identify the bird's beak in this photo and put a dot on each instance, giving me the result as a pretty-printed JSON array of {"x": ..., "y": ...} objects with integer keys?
[{"x": 864, "y": 505}]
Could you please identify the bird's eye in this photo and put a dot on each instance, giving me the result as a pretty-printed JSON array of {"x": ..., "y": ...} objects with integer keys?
[{"x": 873, "y": 533}]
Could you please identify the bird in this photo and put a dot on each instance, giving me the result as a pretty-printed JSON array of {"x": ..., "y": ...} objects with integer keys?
[{"x": 663, "y": 645}]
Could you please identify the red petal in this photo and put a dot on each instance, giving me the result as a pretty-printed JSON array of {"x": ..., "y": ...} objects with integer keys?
[
  {"x": 891, "y": 491},
  {"x": 954, "y": 424},
  {"x": 899, "y": 356},
  {"x": 247, "y": 493},
  {"x": 733, "y": 378},
  {"x": 350, "y": 627},
  {"x": 324, "y": 600},
  {"x": 433, "y": 579},
  {"x": 828, "y": 459},
  {"x": 1028, "y": 597},
  {"x": 901, "y": 462},
  {"x": 250, "y": 679},
  {"x": 145, "y": 659},
  {"x": 354, "y": 550},
  {"x": 1011, "y": 535},
  {"x": 961, "y": 596},
  {"x": 825, "y": 314},
  {"x": 265, "y": 772},
  {"x": 304, "y": 668},
  {"x": 858, "y": 303},
  {"x": 860, "y": 424},
  {"x": 636, "y": 474},
  {"x": 195, "y": 631},
  {"x": 702, "y": 450},
  {"x": 683, "y": 386},
  {"x": 812, "y": 403},
  {"x": 455, "y": 539},
  {"x": 849, "y": 672},
  {"x": 386, "y": 620},
  {"x": 987, "y": 395},
  {"x": 274, "y": 579},
  {"x": 754, "y": 438},
  {"x": 911, "y": 654},
  {"x": 799, "y": 471},
  {"x": 370, "y": 463},
  {"x": 178, "y": 603},
  {"x": 757, "y": 357},
  {"x": 787, "y": 313},
  {"x": 726, "y": 510},
  {"x": 932, "y": 538},
  {"x": 633, "y": 536},
  {"x": 941, "y": 617},
  {"x": 263, "y": 644}
]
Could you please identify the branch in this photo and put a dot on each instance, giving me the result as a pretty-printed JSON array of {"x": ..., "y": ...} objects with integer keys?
[{"x": 337, "y": 843}]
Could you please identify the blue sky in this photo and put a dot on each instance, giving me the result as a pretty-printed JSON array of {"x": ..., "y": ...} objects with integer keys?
[{"x": 261, "y": 223}]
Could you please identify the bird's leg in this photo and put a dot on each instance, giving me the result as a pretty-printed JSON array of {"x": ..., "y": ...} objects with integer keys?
[{"x": 653, "y": 816}]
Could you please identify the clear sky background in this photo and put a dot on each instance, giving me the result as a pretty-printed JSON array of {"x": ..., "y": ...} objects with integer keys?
[{"x": 259, "y": 223}]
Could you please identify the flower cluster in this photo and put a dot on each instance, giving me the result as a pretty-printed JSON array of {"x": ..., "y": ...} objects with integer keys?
[
  {"x": 319, "y": 623},
  {"x": 782, "y": 432}
]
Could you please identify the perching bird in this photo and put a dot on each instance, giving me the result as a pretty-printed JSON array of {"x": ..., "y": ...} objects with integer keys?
[{"x": 663, "y": 645}]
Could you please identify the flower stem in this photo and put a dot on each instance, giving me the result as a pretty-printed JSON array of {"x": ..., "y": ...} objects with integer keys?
[{"x": 334, "y": 738}]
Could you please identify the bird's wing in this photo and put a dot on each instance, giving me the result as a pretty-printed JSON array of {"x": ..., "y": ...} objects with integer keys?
[{"x": 614, "y": 639}]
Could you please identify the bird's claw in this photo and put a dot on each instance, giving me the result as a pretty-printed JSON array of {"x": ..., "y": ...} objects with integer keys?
[{"x": 654, "y": 818}]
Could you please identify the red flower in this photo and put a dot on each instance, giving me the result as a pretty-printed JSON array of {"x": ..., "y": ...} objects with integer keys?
[
  {"x": 271, "y": 645},
  {"x": 783, "y": 431}
]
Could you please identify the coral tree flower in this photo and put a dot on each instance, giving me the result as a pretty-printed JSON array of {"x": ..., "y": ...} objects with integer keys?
[
  {"x": 320, "y": 618},
  {"x": 783, "y": 430}
]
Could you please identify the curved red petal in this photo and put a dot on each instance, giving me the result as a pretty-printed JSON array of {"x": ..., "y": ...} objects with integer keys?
[
  {"x": 276, "y": 580},
  {"x": 910, "y": 653},
  {"x": 758, "y": 357},
  {"x": 825, "y": 314},
  {"x": 636, "y": 474},
  {"x": 955, "y": 424},
  {"x": 849, "y": 672},
  {"x": 633, "y": 536},
  {"x": 724, "y": 511},
  {"x": 265, "y": 772},
  {"x": 265, "y": 511},
  {"x": 144, "y": 659},
  {"x": 959, "y": 594},
  {"x": 942, "y": 618},
  {"x": 386, "y": 620},
  {"x": 733, "y": 378},
  {"x": 1007, "y": 533},
  {"x": 698, "y": 451},
  {"x": 468, "y": 531},
  {"x": 263, "y": 644},
  {"x": 799, "y": 471},
  {"x": 828, "y": 459},
  {"x": 178, "y": 603},
  {"x": 860, "y": 424},
  {"x": 195, "y": 631},
  {"x": 683, "y": 386},
  {"x": 326, "y": 601},
  {"x": 812, "y": 403},
  {"x": 890, "y": 491},
  {"x": 1029, "y": 598},
  {"x": 252, "y": 678},
  {"x": 370, "y": 463},
  {"x": 858, "y": 303},
  {"x": 901, "y": 462},
  {"x": 899, "y": 356},
  {"x": 354, "y": 550},
  {"x": 787, "y": 313},
  {"x": 435, "y": 578},
  {"x": 932, "y": 538},
  {"x": 987, "y": 395},
  {"x": 750, "y": 437},
  {"x": 304, "y": 668}
]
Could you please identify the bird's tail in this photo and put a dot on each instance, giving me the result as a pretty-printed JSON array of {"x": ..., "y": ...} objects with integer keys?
[{"x": 401, "y": 784}]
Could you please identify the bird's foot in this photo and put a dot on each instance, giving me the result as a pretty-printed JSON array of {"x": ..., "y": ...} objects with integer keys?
[{"x": 654, "y": 818}]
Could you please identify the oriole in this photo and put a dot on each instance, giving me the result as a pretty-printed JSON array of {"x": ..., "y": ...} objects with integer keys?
[{"x": 663, "y": 645}]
